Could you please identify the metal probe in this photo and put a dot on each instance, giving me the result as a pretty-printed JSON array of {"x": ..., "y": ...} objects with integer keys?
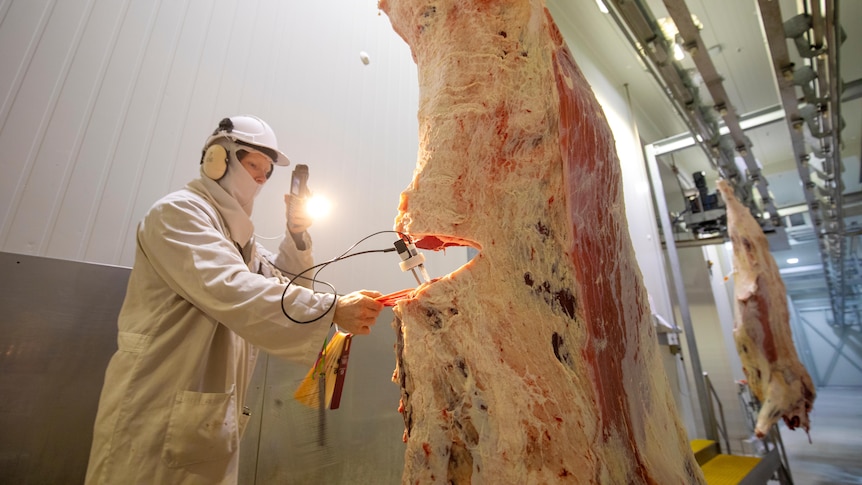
[{"x": 412, "y": 259}]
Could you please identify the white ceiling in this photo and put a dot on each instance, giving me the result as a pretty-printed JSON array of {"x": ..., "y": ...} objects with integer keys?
[{"x": 733, "y": 35}]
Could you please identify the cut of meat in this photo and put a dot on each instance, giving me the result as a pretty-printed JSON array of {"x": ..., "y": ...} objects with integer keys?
[
  {"x": 393, "y": 298},
  {"x": 536, "y": 362},
  {"x": 762, "y": 326}
]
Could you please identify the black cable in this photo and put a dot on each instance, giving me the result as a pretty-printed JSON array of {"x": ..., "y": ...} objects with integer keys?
[
  {"x": 345, "y": 255},
  {"x": 314, "y": 281}
]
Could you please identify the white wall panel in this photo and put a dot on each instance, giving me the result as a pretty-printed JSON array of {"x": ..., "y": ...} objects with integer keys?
[
  {"x": 95, "y": 155},
  {"x": 21, "y": 28},
  {"x": 32, "y": 184},
  {"x": 61, "y": 144},
  {"x": 203, "y": 110},
  {"x": 171, "y": 105},
  {"x": 115, "y": 218}
]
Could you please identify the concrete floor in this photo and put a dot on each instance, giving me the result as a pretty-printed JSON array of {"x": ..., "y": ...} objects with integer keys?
[{"x": 834, "y": 455}]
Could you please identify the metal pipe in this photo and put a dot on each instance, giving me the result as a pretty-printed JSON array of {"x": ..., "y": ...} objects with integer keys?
[
  {"x": 723, "y": 426},
  {"x": 682, "y": 299}
]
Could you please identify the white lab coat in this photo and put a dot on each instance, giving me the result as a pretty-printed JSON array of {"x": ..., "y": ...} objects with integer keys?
[{"x": 196, "y": 310}]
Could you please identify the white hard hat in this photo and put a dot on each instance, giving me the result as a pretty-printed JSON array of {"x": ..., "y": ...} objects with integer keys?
[{"x": 252, "y": 131}]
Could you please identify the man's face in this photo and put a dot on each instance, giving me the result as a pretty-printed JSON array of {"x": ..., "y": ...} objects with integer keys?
[{"x": 257, "y": 165}]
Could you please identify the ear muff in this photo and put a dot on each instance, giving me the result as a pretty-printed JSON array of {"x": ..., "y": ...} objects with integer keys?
[{"x": 214, "y": 162}]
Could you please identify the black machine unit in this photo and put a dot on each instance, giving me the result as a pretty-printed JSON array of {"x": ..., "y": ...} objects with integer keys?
[{"x": 705, "y": 213}]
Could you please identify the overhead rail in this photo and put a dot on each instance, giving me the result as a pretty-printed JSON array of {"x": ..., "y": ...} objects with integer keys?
[
  {"x": 814, "y": 123},
  {"x": 641, "y": 29},
  {"x": 810, "y": 95},
  {"x": 694, "y": 46}
]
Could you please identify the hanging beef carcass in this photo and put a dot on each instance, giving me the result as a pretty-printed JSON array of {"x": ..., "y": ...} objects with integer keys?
[
  {"x": 762, "y": 325},
  {"x": 536, "y": 362}
]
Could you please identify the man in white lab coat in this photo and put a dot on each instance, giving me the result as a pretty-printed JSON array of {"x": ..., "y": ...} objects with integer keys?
[{"x": 202, "y": 298}]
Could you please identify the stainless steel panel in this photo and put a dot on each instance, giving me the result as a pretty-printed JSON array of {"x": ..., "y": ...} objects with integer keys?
[
  {"x": 358, "y": 443},
  {"x": 58, "y": 329}
]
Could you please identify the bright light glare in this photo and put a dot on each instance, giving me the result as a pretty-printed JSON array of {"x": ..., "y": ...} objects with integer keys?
[
  {"x": 318, "y": 207},
  {"x": 678, "y": 53},
  {"x": 792, "y": 260},
  {"x": 602, "y": 7}
]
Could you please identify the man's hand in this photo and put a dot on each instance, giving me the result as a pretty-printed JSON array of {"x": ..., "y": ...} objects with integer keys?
[{"x": 357, "y": 312}]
